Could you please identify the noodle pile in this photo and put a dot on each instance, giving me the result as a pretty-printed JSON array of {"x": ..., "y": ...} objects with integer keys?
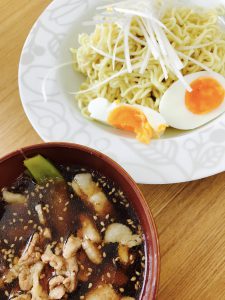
[{"x": 196, "y": 34}]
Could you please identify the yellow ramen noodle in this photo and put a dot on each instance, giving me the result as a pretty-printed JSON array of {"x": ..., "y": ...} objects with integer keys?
[{"x": 196, "y": 34}]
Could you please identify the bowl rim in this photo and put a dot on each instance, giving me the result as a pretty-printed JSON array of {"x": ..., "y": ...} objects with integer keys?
[{"x": 154, "y": 284}]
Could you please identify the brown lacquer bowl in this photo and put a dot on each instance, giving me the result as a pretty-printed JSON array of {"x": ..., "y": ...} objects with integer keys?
[{"x": 11, "y": 166}]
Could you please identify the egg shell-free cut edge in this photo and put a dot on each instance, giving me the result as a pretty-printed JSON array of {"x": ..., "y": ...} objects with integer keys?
[{"x": 173, "y": 109}]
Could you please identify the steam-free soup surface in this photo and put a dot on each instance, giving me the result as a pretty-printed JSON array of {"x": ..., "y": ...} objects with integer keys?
[{"x": 71, "y": 238}]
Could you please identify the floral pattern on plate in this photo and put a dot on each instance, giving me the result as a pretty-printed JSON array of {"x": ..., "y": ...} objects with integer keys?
[{"x": 190, "y": 156}]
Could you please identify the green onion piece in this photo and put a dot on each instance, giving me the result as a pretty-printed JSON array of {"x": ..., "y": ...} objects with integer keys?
[{"x": 41, "y": 169}]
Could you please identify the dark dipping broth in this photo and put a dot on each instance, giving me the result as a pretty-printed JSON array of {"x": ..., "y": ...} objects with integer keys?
[{"x": 65, "y": 213}]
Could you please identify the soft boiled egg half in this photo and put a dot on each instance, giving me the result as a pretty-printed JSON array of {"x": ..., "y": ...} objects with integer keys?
[
  {"x": 188, "y": 110},
  {"x": 143, "y": 121}
]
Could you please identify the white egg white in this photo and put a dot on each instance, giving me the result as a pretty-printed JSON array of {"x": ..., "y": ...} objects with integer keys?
[
  {"x": 173, "y": 109},
  {"x": 100, "y": 108}
]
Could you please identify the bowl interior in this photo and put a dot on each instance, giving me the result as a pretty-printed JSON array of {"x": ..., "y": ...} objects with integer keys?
[{"x": 12, "y": 166}]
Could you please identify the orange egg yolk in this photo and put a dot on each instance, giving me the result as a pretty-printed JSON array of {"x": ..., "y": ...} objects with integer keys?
[
  {"x": 207, "y": 94},
  {"x": 131, "y": 119}
]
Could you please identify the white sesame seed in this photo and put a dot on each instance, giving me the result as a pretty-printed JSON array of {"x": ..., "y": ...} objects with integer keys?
[
  {"x": 138, "y": 273},
  {"x": 90, "y": 285}
]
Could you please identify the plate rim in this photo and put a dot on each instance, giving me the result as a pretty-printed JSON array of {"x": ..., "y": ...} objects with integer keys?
[{"x": 175, "y": 139}]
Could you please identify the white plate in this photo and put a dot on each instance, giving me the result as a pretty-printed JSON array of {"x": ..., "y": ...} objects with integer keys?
[{"x": 185, "y": 157}]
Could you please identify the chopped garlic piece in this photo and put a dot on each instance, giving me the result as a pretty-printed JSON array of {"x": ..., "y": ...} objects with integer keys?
[
  {"x": 13, "y": 198},
  {"x": 84, "y": 186},
  {"x": 105, "y": 292},
  {"x": 39, "y": 211},
  {"x": 88, "y": 230},
  {"x": 123, "y": 253},
  {"x": 93, "y": 253},
  {"x": 119, "y": 233},
  {"x": 71, "y": 247}
]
